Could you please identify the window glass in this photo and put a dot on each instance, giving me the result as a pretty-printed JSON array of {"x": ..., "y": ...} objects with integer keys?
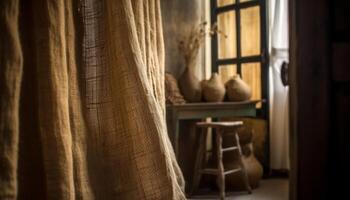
[
  {"x": 225, "y": 2},
  {"x": 227, "y": 44},
  {"x": 250, "y": 31},
  {"x": 251, "y": 74},
  {"x": 227, "y": 71}
]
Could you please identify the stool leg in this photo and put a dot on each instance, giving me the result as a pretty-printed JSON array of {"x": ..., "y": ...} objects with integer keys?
[
  {"x": 199, "y": 160},
  {"x": 220, "y": 164},
  {"x": 244, "y": 171}
]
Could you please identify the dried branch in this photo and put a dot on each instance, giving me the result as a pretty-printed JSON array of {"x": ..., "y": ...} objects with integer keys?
[{"x": 190, "y": 45}]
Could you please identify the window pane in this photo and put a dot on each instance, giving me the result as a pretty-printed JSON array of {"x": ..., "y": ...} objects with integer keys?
[
  {"x": 225, "y": 2},
  {"x": 251, "y": 74},
  {"x": 227, "y": 71},
  {"x": 227, "y": 40},
  {"x": 250, "y": 31}
]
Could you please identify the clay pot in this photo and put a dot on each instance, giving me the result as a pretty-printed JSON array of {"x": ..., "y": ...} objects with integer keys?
[
  {"x": 254, "y": 171},
  {"x": 237, "y": 89},
  {"x": 213, "y": 89},
  {"x": 234, "y": 182},
  {"x": 252, "y": 165},
  {"x": 190, "y": 86}
]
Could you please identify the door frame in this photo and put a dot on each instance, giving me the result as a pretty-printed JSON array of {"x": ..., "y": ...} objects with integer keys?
[{"x": 310, "y": 89}]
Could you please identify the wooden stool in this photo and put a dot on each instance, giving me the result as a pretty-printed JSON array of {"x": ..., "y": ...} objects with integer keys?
[{"x": 220, "y": 171}]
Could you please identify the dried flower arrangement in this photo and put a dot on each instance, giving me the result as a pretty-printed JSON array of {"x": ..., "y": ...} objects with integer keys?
[
  {"x": 189, "y": 83},
  {"x": 190, "y": 45}
]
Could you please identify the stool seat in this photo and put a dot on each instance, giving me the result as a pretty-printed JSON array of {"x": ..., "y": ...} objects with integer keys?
[
  {"x": 220, "y": 171},
  {"x": 219, "y": 124}
]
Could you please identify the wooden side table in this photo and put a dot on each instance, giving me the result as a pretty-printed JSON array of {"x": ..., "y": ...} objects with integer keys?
[{"x": 207, "y": 110}]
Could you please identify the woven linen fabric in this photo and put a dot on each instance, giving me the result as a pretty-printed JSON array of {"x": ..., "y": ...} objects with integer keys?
[
  {"x": 92, "y": 113},
  {"x": 10, "y": 80}
]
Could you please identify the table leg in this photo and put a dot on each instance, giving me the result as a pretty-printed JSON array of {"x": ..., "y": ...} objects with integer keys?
[{"x": 175, "y": 125}]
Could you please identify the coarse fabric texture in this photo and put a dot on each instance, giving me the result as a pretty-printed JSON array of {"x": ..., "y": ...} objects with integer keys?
[
  {"x": 10, "y": 79},
  {"x": 92, "y": 113}
]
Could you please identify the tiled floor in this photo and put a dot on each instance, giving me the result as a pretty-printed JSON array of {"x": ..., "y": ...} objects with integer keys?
[{"x": 269, "y": 189}]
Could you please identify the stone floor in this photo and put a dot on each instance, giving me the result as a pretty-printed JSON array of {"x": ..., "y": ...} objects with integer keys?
[{"x": 269, "y": 189}]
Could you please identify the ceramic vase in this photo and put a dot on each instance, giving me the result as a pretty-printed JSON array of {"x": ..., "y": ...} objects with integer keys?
[
  {"x": 190, "y": 86},
  {"x": 254, "y": 170},
  {"x": 213, "y": 89},
  {"x": 237, "y": 89}
]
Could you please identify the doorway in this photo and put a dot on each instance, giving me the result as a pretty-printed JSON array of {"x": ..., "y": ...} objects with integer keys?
[
  {"x": 255, "y": 45},
  {"x": 243, "y": 49}
]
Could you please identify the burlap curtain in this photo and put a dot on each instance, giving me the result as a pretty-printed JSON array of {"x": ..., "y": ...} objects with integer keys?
[
  {"x": 10, "y": 79},
  {"x": 86, "y": 119}
]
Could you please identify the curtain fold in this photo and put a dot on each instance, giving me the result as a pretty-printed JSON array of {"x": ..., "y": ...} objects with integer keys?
[
  {"x": 98, "y": 111},
  {"x": 53, "y": 96},
  {"x": 10, "y": 80},
  {"x": 279, "y": 117}
]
